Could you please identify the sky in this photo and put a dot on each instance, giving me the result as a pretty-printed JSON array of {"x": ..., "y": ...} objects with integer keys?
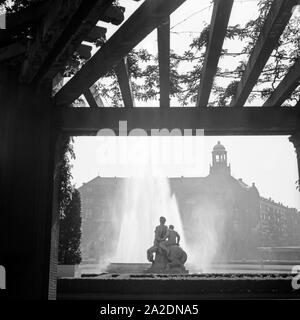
[{"x": 269, "y": 162}]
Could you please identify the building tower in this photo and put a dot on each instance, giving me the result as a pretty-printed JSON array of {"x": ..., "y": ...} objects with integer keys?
[{"x": 219, "y": 160}]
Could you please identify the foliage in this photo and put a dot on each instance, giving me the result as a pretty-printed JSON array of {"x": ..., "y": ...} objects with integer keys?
[
  {"x": 69, "y": 209},
  {"x": 186, "y": 69},
  {"x": 65, "y": 187},
  {"x": 16, "y": 5},
  {"x": 143, "y": 66},
  {"x": 281, "y": 59},
  {"x": 70, "y": 232}
]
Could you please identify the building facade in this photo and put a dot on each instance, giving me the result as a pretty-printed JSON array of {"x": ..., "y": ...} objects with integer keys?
[
  {"x": 214, "y": 209},
  {"x": 280, "y": 225}
]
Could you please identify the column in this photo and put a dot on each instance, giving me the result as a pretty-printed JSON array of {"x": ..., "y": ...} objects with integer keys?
[
  {"x": 295, "y": 139},
  {"x": 27, "y": 142}
]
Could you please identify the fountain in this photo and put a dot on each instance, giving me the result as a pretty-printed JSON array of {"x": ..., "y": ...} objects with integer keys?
[{"x": 145, "y": 199}]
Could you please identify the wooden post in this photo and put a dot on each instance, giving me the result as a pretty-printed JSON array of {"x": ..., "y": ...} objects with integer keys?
[
  {"x": 218, "y": 27},
  {"x": 163, "y": 39},
  {"x": 27, "y": 141},
  {"x": 121, "y": 70}
]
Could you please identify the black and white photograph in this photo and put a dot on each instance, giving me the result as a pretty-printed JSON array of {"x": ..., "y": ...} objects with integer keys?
[{"x": 149, "y": 153}]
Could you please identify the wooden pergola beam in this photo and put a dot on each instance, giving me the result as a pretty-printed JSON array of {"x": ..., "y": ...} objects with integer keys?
[
  {"x": 163, "y": 40},
  {"x": 121, "y": 70},
  {"x": 276, "y": 21},
  {"x": 214, "y": 121},
  {"x": 71, "y": 23},
  {"x": 144, "y": 20},
  {"x": 218, "y": 27},
  {"x": 286, "y": 87}
]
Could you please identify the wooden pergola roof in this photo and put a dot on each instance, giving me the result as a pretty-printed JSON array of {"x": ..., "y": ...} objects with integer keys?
[
  {"x": 34, "y": 125},
  {"x": 62, "y": 26}
]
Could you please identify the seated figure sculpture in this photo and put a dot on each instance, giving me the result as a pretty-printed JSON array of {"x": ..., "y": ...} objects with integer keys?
[
  {"x": 173, "y": 237},
  {"x": 169, "y": 256}
]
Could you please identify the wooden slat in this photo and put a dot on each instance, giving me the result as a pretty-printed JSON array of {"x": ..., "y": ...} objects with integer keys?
[
  {"x": 84, "y": 51},
  {"x": 218, "y": 26},
  {"x": 145, "y": 19},
  {"x": 163, "y": 40},
  {"x": 276, "y": 21},
  {"x": 114, "y": 15},
  {"x": 95, "y": 34},
  {"x": 90, "y": 99},
  {"x": 286, "y": 87},
  {"x": 121, "y": 71},
  {"x": 51, "y": 52},
  {"x": 215, "y": 121}
]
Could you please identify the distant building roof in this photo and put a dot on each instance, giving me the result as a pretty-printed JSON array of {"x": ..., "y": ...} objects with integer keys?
[{"x": 219, "y": 147}]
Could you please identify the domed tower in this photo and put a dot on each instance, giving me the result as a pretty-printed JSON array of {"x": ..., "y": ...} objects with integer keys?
[{"x": 219, "y": 160}]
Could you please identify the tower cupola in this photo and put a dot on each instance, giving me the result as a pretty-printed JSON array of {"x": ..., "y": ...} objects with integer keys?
[{"x": 219, "y": 159}]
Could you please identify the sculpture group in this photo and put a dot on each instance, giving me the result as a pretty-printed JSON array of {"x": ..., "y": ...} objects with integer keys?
[{"x": 169, "y": 256}]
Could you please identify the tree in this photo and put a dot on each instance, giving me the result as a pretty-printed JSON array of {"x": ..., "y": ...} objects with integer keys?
[
  {"x": 70, "y": 232},
  {"x": 69, "y": 209},
  {"x": 65, "y": 186},
  {"x": 143, "y": 67}
]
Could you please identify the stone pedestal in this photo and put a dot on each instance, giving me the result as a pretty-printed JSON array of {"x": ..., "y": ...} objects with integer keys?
[
  {"x": 159, "y": 264},
  {"x": 174, "y": 264}
]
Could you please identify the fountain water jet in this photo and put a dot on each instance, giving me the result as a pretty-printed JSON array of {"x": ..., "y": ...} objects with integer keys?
[
  {"x": 206, "y": 224},
  {"x": 145, "y": 199}
]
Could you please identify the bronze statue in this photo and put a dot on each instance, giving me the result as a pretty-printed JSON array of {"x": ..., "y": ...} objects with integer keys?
[
  {"x": 173, "y": 236},
  {"x": 169, "y": 256},
  {"x": 161, "y": 234}
]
